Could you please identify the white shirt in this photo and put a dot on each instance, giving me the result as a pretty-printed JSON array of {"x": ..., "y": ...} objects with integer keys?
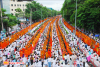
[
  {"x": 4, "y": 58},
  {"x": 0, "y": 53},
  {"x": 88, "y": 47},
  {"x": 6, "y": 52},
  {"x": 91, "y": 50},
  {"x": 65, "y": 57},
  {"x": 77, "y": 62},
  {"x": 28, "y": 60},
  {"x": 95, "y": 57},
  {"x": 99, "y": 58},
  {"x": 83, "y": 59},
  {"x": 45, "y": 61},
  {"x": 49, "y": 59},
  {"x": 68, "y": 57},
  {"x": 24, "y": 60},
  {"x": 54, "y": 62}
]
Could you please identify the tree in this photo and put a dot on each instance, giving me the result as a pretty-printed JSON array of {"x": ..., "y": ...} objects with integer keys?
[
  {"x": 36, "y": 11},
  {"x": 19, "y": 12},
  {"x": 9, "y": 21},
  {"x": 88, "y": 13},
  {"x": 3, "y": 15}
]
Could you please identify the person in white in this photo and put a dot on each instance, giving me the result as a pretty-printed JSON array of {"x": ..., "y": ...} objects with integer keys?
[
  {"x": 49, "y": 62},
  {"x": 24, "y": 60},
  {"x": 45, "y": 62},
  {"x": 65, "y": 59}
]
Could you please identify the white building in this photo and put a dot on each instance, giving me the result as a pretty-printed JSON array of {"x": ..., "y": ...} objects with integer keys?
[
  {"x": 14, "y": 4},
  {"x": 6, "y": 5},
  {"x": 11, "y": 5}
]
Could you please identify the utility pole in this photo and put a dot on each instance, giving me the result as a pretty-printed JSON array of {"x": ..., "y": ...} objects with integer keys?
[
  {"x": 75, "y": 16},
  {"x": 1, "y": 14},
  {"x": 31, "y": 17},
  {"x": 23, "y": 11},
  {"x": 1, "y": 20},
  {"x": 63, "y": 13},
  {"x": 41, "y": 14}
]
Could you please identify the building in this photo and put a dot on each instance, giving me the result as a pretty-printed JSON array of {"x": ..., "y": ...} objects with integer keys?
[
  {"x": 1, "y": 6},
  {"x": 14, "y": 4},
  {"x": 6, "y": 5},
  {"x": 11, "y": 5}
]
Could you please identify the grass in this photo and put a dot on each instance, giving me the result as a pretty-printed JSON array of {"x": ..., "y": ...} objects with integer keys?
[{"x": 63, "y": 27}]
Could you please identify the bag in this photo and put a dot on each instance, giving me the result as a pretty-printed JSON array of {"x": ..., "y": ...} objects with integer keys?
[
  {"x": 26, "y": 65},
  {"x": 86, "y": 46},
  {"x": 8, "y": 53},
  {"x": 33, "y": 58},
  {"x": 78, "y": 48}
]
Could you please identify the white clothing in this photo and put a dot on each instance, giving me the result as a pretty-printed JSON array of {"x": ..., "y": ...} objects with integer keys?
[
  {"x": 54, "y": 62},
  {"x": 24, "y": 59},
  {"x": 49, "y": 59},
  {"x": 95, "y": 57},
  {"x": 45, "y": 61},
  {"x": 0, "y": 53},
  {"x": 65, "y": 57},
  {"x": 78, "y": 62},
  {"x": 68, "y": 57},
  {"x": 99, "y": 58},
  {"x": 4, "y": 58}
]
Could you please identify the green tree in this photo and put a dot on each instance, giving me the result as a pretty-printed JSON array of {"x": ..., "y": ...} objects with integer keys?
[
  {"x": 88, "y": 13},
  {"x": 36, "y": 11},
  {"x": 9, "y": 21},
  {"x": 19, "y": 13},
  {"x": 18, "y": 10}
]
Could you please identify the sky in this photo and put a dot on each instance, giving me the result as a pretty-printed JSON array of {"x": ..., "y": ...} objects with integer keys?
[{"x": 55, "y": 4}]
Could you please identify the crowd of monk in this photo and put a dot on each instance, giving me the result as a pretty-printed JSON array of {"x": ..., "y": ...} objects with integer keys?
[{"x": 50, "y": 46}]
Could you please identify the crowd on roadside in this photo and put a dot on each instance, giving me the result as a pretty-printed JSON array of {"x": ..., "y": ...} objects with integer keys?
[
  {"x": 78, "y": 58},
  {"x": 76, "y": 42},
  {"x": 12, "y": 31},
  {"x": 94, "y": 36},
  {"x": 11, "y": 52}
]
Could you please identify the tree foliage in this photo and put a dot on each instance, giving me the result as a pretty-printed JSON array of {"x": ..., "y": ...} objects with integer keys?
[
  {"x": 8, "y": 20},
  {"x": 38, "y": 10},
  {"x": 88, "y": 13},
  {"x": 19, "y": 13},
  {"x": 18, "y": 10}
]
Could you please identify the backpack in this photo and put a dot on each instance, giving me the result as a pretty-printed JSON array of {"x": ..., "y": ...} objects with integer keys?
[{"x": 86, "y": 46}]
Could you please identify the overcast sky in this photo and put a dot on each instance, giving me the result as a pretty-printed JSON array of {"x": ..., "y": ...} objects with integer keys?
[{"x": 55, "y": 4}]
